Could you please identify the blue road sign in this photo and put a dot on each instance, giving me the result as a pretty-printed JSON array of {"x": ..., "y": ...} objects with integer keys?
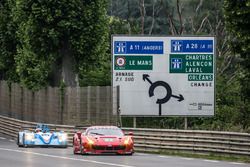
[
  {"x": 194, "y": 46},
  {"x": 138, "y": 47},
  {"x": 176, "y": 63}
]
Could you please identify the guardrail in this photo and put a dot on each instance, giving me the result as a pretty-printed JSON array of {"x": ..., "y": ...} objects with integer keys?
[{"x": 161, "y": 140}]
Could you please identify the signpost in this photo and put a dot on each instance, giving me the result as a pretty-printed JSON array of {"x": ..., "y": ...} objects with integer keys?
[{"x": 164, "y": 76}]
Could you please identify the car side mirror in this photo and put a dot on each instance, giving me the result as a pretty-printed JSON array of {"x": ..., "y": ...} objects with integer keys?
[
  {"x": 79, "y": 134},
  {"x": 130, "y": 133}
]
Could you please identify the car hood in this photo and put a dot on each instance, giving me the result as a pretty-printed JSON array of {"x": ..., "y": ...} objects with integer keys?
[
  {"x": 107, "y": 139},
  {"x": 45, "y": 137}
]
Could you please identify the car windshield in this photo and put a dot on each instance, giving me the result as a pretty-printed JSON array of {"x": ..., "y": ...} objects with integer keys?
[
  {"x": 105, "y": 132},
  {"x": 42, "y": 127}
]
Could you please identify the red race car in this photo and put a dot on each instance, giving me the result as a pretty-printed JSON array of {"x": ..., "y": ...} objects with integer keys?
[{"x": 103, "y": 139}]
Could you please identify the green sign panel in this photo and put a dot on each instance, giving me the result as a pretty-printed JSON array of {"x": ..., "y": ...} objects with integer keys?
[
  {"x": 133, "y": 62},
  {"x": 200, "y": 77},
  {"x": 191, "y": 63}
]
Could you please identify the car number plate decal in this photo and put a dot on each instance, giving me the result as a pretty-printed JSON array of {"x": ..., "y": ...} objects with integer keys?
[{"x": 108, "y": 140}]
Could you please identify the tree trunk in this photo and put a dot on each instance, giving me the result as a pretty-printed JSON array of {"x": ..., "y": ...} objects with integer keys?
[{"x": 68, "y": 75}]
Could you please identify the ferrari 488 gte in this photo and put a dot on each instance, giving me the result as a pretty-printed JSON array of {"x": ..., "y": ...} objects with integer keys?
[{"x": 103, "y": 139}]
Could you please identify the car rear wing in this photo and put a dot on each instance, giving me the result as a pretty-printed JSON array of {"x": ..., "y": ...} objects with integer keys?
[
  {"x": 53, "y": 127},
  {"x": 33, "y": 127},
  {"x": 27, "y": 127},
  {"x": 81, "y": 127}
]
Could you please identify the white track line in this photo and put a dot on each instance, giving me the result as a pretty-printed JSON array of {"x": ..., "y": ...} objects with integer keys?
[
  {"x": 207, "y": 160},
  {"x": 162, "y": 156},
  {"x": 11, "y": 140},
  {"x": 237, "y": 163},
  {"x": 67, "y": 158},
  {"x": 141, "y": 154},
  {"x": 189, "y": 159},
  {"x": 2, "y": 138}
]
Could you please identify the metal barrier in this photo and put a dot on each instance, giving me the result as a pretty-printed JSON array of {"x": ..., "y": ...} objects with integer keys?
[{"x": 161, "y": 140}]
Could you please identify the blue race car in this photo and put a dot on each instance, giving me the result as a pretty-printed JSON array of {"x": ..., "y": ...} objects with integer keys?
[{"x": 41, "y": 136}]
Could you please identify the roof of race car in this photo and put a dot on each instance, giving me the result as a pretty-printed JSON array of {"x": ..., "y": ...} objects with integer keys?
[
  {"x": 102, "y": 127},
  {"x": 43, "y": 127}
]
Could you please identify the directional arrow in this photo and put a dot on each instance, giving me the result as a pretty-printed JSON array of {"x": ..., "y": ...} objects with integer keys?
[
  {"x": 146, "y": 77},
  {"x": 180, "y": 97},
  {"x": 166, "y": 86}
]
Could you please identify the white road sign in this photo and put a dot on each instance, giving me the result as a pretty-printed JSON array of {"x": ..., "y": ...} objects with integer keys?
[{"x": 171, "y": 76}]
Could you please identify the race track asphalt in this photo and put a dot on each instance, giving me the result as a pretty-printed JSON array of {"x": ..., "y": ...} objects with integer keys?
[{"x": 13, "y": 156}]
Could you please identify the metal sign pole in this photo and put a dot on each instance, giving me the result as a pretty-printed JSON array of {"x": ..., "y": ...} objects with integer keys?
[
  {"x": 134, "y": 122},
  {"x": 185, "y": 120}
]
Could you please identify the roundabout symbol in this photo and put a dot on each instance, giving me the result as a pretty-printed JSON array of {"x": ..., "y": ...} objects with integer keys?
[{"x": 166, "y": 86}]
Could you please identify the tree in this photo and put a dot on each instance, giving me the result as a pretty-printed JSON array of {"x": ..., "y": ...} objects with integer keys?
[
  {"x": 93, "y": 44},
  {"x": 237, "y": 15},
  {"x": 143, "y": 16},
  {"x": 68, "y": 38},
  {"x": 8, "y": 42}
]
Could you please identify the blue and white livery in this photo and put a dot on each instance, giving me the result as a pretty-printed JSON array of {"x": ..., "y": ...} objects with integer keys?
[{"x": 41, "y": 136}]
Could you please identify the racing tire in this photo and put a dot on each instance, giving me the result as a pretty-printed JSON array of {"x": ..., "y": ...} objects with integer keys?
[
  {"x": 74, "y": 146},
  {"x": 19, "y": 145},
  {"x": 24, "y": 145},
  {"x": 130, "y": 154},
  {"x": 81, "y": 148}
]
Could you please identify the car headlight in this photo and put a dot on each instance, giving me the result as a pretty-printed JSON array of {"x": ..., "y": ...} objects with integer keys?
[
  {"x": 29, "y": 136},
  {"x": 90, "y": 141},
  {"x": 126, "y": 141},
  {"x": 63, "y": 137}
]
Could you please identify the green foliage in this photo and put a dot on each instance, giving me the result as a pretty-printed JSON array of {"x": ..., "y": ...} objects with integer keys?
[
  {"x": 101, "y": 76},
  {"x": 37, "y": 43},
  {"x": 90, "y": 42},
  {"x": 32, "y": 70},
  {"x": 45, "y": 28},
  {"x": 129, "y": 11},
  {"x": 118, "y": 26},
  {"x": 8, "y": 42},
  {"x": 237, "y": 16}
]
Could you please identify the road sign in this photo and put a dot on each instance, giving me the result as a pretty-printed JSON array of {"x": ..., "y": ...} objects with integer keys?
[
  {"x": 133, "y": 63},
  {"x": 164, "y": 76}
]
